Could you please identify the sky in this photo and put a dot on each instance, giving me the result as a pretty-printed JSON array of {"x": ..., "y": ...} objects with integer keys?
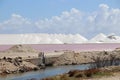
[{"x": 85, "y": 17}]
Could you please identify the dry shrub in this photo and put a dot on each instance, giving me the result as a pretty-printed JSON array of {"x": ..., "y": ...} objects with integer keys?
[
  {"x": 73, "y": 72},
  {"x": 91, "y": 72},
  {"x": 83, "y": 73}
]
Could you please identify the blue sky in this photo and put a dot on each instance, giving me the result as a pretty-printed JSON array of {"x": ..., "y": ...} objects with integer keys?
[
  {"x": 43, "y": 12},
  {"x": 36, "y": 9}
]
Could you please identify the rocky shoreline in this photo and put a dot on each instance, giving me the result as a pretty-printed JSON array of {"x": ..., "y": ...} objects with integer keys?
[
  {"x": 9, "y": 65},
  {"x": 15, "y": 65}
]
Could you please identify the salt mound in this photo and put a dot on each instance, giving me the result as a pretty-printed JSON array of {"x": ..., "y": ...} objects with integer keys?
[
  {"x": 41, "y": 38},
  {"x": 98, "y": 38},
  {"x": 21, "y": 48}
]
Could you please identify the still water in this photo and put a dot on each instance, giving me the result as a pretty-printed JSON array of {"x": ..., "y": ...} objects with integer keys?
[
  {"x": 50, "y": 71},
  {"x": 74, "y": 47}
]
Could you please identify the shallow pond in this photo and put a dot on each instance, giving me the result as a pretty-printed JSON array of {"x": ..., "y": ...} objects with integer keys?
[{"x": 50, "y": 71}]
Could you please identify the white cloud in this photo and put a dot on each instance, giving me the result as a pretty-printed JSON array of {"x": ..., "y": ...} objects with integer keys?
[
  {"x": 64, "y": 23},
  {"x": 104, "y": 20},
  {"x": 104, "y": 6},
  {"x": 16, "y": 24},
  {"x": 15, "y": 21}
]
